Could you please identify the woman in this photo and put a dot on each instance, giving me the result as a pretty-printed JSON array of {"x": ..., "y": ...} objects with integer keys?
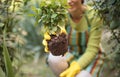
[{"x": 84, "y": 38}]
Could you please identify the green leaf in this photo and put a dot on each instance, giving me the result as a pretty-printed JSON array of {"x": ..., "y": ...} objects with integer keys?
[
  {"x": 2, "y": 74},
  {"x": 54, "y": 28},
  {"x": 8, "y": 63},
  {"x": 114, "y": 25},
  {"x": 1, "y": 24},
  {"x": 51, "y": 13},
  {"x": 111, "y": 2},
  {"x": 62, "y": 23},
  {"x": 54, "y": 15}
]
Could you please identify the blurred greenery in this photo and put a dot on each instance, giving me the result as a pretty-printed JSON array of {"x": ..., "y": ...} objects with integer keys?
[
  {"x": 7, "y": 61},
  {"x": 2, "y": 74},
  {"x": 111, "y": 47},
  {"x": 33, "y": 69},
  {"x": 109, "y": 11},
  {"x": 23, "y": 38}
]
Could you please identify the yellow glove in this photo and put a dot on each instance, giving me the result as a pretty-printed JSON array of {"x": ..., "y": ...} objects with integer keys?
[
  {"x": 47, "y": 37},
  {"x": 72, "y": 70},
  {"x": 44, "y": 42}
]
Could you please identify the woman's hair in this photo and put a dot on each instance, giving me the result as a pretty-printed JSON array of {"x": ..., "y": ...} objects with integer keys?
[{"x": 82, "y": 1}]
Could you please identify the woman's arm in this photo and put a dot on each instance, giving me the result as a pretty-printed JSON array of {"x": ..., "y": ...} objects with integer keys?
[{"x": 93, "y": 43}]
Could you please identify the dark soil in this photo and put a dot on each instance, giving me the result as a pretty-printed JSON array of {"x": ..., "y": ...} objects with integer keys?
[{"x": 58, "y": 45}]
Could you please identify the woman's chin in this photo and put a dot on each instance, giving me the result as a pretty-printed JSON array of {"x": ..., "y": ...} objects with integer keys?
[{"x": 71, "y": 10}]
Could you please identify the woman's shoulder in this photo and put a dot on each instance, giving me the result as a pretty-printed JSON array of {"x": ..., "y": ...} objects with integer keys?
[
  {"x": 92, "y": 15},
  {"x": 90, "y": 11}
]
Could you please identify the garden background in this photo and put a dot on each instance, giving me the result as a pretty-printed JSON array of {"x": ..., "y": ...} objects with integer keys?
[{"x": 21, "y": 50}]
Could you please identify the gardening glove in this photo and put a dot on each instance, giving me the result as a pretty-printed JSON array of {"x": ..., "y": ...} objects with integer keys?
[
  {"x": 72, "y": 70},
  {"x": 63, "y": 30},
  {"x": 44, "y": 42},
  {"x": 47, "y": 37}
]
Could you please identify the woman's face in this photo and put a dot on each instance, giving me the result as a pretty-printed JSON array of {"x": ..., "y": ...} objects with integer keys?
[{"x": 74, "y": 5}]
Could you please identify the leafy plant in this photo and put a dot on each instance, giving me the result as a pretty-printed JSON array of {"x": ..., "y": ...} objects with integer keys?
[
  {"x": 2, "y": 74},
  {"x": 8, "y": 21},
  {"x": 8, "y": 63},
  {"x": 52, "y": 14},
  {"x": 109, "y": 11}
]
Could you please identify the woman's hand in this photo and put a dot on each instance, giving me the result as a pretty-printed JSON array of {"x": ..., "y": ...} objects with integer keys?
[
  {"x": 44, "y": 42},
  {"x": 72, "y": 70},
  {"x": 55, "y": 42}
]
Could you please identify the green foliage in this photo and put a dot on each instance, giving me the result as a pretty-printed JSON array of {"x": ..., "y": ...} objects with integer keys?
[
  {"x": 109, "y": 10},
  {"x": 31, "y": 36},
  {"x": 7, "y": 20},
  {"x": 22, "y": 40},
  {"x": 8, "y": 14},
  {"x": 111, "y": 47},
  {"x": 114, "y": 24},
  {"x": 2, "y": 74},
  {"x": 8, "y": 63},
  {"x": 29, "y": 32},
  {"x": 51, "y": 13}
]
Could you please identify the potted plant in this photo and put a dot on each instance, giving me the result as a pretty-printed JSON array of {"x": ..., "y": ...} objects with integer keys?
[{"x": 52, "y": 15}]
